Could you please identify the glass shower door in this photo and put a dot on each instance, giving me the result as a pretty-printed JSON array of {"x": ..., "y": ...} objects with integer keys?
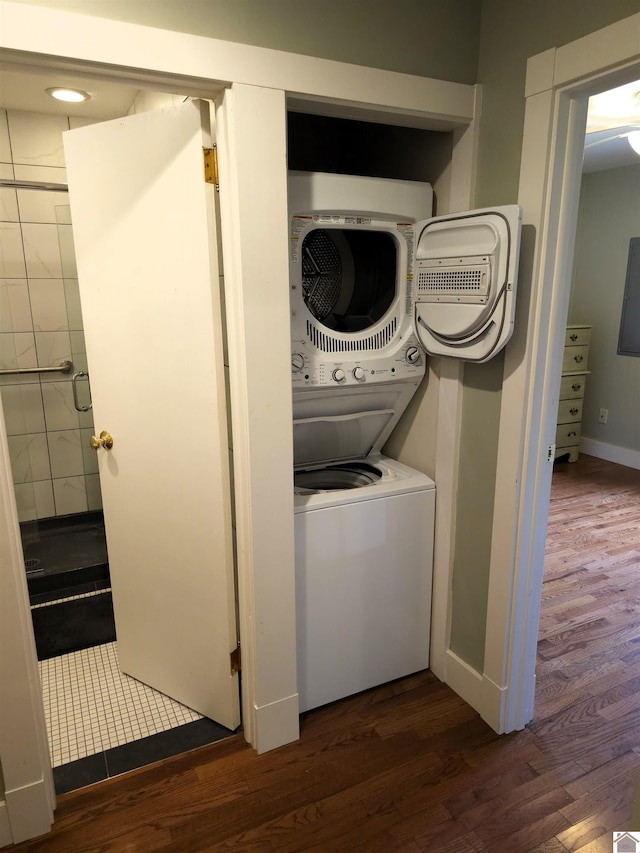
[
  {"x": 19, "y": 393},
  {"x": 85, "y": 465},
  {"x": 54, "y": 471}
]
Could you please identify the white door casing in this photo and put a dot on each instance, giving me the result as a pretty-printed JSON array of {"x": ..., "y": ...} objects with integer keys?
[
  {"x": 28, "y": 792},
  {"x": 146, "y": 248},
  {"x": 559, "y": 81},
  {"x": 253, "y": 177}
]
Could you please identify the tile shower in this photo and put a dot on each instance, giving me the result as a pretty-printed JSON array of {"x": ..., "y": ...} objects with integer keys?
[
  {"x": 99, "y": 721},
  {"x": 54, "y": 470}
]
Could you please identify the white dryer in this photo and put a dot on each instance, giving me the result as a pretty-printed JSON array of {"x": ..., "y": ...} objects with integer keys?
[{"x": 375, "y": 283}]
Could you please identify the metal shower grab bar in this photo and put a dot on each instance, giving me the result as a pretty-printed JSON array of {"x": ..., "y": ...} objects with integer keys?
[
  {"x": 10, "y": 183},
  {"x": 64, "y": 367}
]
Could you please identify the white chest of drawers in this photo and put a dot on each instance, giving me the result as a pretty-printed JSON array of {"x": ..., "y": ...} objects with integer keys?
[{"x": 574, "y": 375}]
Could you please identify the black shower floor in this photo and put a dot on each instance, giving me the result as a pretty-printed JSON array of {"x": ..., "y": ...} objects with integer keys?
[{"x": 72, "y": 552}]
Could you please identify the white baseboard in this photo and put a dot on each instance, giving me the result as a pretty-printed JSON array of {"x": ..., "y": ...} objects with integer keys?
[
  {"x": 477, "y": 690},
  {"x": 6, "y": 836},
  {"x": 610, "y": 452},
  {"x": 276, "y": 724},
  {"x": 29, "y": 810}
]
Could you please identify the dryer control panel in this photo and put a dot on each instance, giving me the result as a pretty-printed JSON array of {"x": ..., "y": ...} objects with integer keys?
[{"x": 407, "y": 362}]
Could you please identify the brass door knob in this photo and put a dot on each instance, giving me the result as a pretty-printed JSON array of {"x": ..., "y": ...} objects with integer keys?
[{"x": 105, "y": 441}]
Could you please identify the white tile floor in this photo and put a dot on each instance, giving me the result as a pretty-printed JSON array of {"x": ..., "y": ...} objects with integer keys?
[{"x": 90, "y": 706}]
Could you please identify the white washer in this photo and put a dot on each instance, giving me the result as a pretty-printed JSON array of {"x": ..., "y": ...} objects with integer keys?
[
  {"x": 363, "y": 579},
  {"x": 364, "y": 552}
]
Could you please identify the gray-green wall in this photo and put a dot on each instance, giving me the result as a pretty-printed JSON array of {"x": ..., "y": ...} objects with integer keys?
[
  {"x": 609, "y": 216},
  {"x": 430, "y": 38},
  {"x": 511, "y": 32}
]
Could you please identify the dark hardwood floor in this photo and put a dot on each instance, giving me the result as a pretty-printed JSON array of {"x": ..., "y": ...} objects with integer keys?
[{"x": 409, "y": 766}]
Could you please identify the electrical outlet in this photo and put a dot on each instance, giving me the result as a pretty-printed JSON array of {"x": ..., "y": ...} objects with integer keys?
[{"x": 602, "y": 417}]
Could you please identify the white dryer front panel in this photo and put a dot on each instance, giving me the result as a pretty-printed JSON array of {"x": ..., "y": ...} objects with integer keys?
[
  {"x": 351, "y": 301},
  {"x": 351, "y": 266}
]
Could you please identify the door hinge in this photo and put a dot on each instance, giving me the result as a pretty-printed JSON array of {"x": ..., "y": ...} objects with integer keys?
[
  {"x": 236, "y": 660},
  {"x": 211, "y": 165}
]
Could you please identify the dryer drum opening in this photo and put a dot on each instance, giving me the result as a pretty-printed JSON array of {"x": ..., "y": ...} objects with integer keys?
[
  {"x": 348, "y": 277},
  {"x": 336, "y": 477}
]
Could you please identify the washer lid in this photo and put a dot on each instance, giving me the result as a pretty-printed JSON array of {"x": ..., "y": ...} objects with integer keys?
[
  {"x": 347, "y": 422},
  {"x": 334, "y": 437}
]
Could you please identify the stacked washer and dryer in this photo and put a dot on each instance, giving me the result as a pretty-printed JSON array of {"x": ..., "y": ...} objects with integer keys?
[{"x": 375, "y": 287}]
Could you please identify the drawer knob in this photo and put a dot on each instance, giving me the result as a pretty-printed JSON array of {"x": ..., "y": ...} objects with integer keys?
[
  {"x": 573, "y": 411},
  {"x": 572, "y": 433},
  {"x": 578, "y": 358},
  {"x": 576, "y": 386},
  {"x": 573, "y": 337}
]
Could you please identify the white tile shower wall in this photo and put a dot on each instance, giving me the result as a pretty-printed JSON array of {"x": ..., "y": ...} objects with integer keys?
[
  {"x": 54, "y": 471},
  {"x": 5, "y": 146}
]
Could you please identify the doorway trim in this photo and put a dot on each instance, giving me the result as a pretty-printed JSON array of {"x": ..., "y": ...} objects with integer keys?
[
  {"x": 558, "y": 85},
  {"x": 29, "y": 797}
]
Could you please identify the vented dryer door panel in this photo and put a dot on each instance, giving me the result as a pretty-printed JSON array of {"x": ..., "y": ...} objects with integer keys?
[{"x": 464, "y": 282}]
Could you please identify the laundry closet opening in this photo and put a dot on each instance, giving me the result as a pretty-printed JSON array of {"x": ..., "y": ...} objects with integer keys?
[
  {"x": 364, "y": 519},
  {"x": 349, "y": 147}
]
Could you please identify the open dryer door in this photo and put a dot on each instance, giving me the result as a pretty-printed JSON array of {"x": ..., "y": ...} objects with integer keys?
[{"x": 465, "y": 273}]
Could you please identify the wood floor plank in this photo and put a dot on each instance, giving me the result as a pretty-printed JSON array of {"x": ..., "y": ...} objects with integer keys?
[
  {"x": 551, "y": 845},
  {"x": 469, "y": 843},
  {"x": 627, "y": 765},
  {"x": 484, "y": 790},
  {"x": 611, "y": 810},
  {"x": 408, "y": 766},
  {"x": 593, "y": 748},
  {"x": 524, "y": 837},
  {"x": 604, "y": 844}
]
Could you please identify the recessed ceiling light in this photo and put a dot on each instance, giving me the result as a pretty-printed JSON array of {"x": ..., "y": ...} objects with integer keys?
[
  {"x": 634, "y": 140},
  {"x": 615, "y": 108},
  {"x": 72, "y": 96}
]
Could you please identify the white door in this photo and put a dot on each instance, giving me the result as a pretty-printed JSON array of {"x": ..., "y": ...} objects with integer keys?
[
  {"x": 465, "y": 276},
  {"x": 146, "y": 245}
]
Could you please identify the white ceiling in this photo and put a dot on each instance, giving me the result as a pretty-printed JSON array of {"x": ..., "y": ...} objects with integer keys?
[
  {"x": 611, "y": 115},
  {"x": 26, "y": 91},
  {"x": 609, "y": 149}
]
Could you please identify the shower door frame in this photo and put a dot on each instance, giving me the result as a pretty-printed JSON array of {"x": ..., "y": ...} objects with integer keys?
[{"x": 70, "y": 363}]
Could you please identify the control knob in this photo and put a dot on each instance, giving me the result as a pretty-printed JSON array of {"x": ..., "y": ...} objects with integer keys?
[
  {"x": 412, "y": 355},
  {"x": 297, "y": 362},
  {"x": 339, "y": 374},
  {"x": 358, "y": 373}
]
